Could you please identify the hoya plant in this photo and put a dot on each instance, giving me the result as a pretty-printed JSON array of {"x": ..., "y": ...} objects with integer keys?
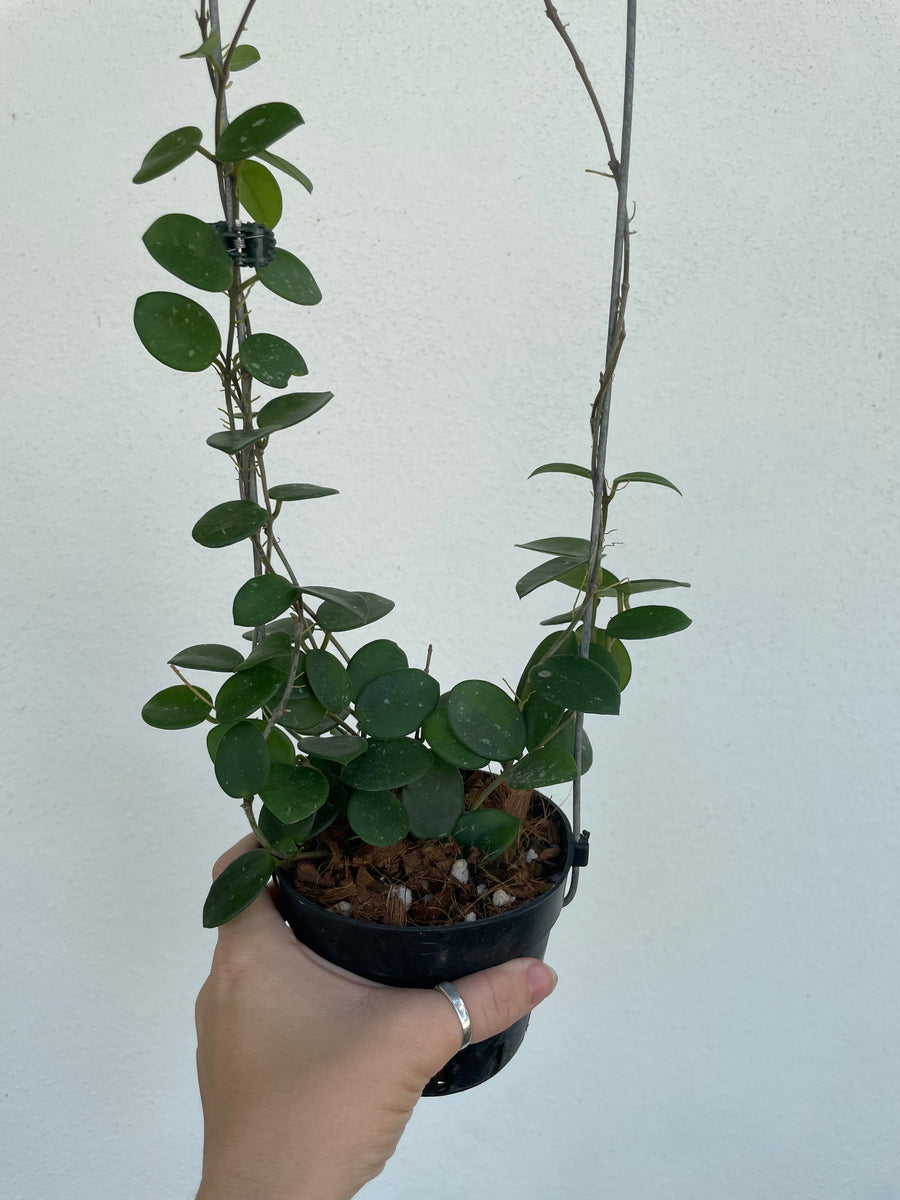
[{"x": 314, "y": 724}]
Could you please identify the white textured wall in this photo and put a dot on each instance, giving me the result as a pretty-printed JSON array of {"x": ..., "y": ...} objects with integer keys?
[{"x": 726, "y": 1020}]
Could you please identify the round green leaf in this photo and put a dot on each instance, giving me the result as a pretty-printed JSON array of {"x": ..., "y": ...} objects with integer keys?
[
  {"x": 434, "y": 801},
  {"x": 287, "y": 276},
  {"x": 393, "y": 705},
  {"x": 169, "y": 152},
  {"x": 261, "y": 195},
  {"x": 373, "y": 659},
  {"x": 190, "y": 249},
  {"x": 262, "y": 599},
  {"x": 300, "y": 491},
  {"x": 283, "y": 165},
  {"x": 328, "y": 679},
  {"x": 208, "y": 657},
  {"x": 601, "y": 656},
  {"x": 177, "y": 331},
  {"x": 294, "y": 792},
  {"x": 575, "y": 683},
  {"x": 341, "y": 748},
  {"x": 545, "y": 572},
  {"x": 242, "y": 760},
  {"x": 176, "y": 708},
  {"x": 280, "y": 748},
  {"x": 379, "y": 818},
  {"x": 623, "y": 661},
  {"x": 566, "y": 739},
  {"x": 336, "y": 618},
  {"x": 441, "y": 738},
  {"x": 271, "y": 359},
  {"x": 284, "y": 411},
  {"x": 285, "y": 838},
  {"x": 304, "y": 711},
  {"x": 648, "y": 621},
  {"x": 389, "y": 764},
  {"x": 486, "y": 720},
  {"x": 277, "y": 648},
  {"x": 247, "y": 691},
  {"x": 243, "y": 56},
  {"x": 256, "y": 129},
  {"x": 559, "y": 643},
  {"x": 233, "y": 441},
  {"x": 541, "y": 717},
  {"x": 543, "y": 768},
  {"x": 237, "y": 887},
  {"x": 490, "y": 830},
  {"x": 228, "y": 523}
]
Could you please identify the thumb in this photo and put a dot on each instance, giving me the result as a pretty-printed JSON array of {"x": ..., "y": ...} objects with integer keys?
[{"x": 497, "y": 998}]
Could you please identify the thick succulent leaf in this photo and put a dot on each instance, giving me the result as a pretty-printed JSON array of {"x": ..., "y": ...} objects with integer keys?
[
  {"x": 558, "y": 643},
  {"x": 393, "y": 705},
  {"x": 375, "y": 658},
  {"x": 260, "y": 194},
  {"x": 277, "y": 648},
  {"x": 237, "y": 887},
  {"x": 647, "y": 621},
  {"x": 645, "y": 477},
  {"x": 541, "y": 717},
  {"x": 262, "y": 599},
  {"x": 229, "y": 523},
  {"x": 566, "y": 740},
  {"x": 434, "y": 801},
  {"x": 255, "y": 129},
  {"x": 333, "y": 808},
  {"x": 490, "y": 830},
  {"x": 543, "y": 768},
  {"x": 486, "y": 720},
  {"x": 294, "y": 792},
  {"x": 352, "y": 602},
  {"x": 388, "y": 764},
  {"x": 283, "y": 165},
  {"x": 575, "y": 683},
  {"x": 622, "y": 658},
  {"x": 233, "y": 441},
  {"x": 190, "y": 249},
  {"x": 242, "y": 760},
  {"x": 208, "y": 657},
  {"x": 328, "y": 679},
  {"x": 206, "y": 49},
  {"x": 177, "y": 331},
  {"x": 303, "y": 711},
  {"x": 631, "y": 587},
  {"x": 546, "y": 572},
  {"x": 336, "y": 618},
  {"x": 244, "y": 56},
  {"x": 561, "y": 468},
  {"x": 280, "y": 748},
  {"x": 578, "y": 549},
  {"x": 247, "y": 691},
  {"x": 284, "y": 411},
  {"x": 271, "y": 359},
  {"x": 342, "y": 748},
  {"x": 176, "y": 708},
  {"x": 598, "y": 653},
  {"x": 299, "y": 491},
  {"x": 284, "y": 838},
  {"x": 169, "y": 152},
  {"x": 287, "y": 276},
  {"x": 379, "y": 818},
  {"x": 444, "y": 742}
]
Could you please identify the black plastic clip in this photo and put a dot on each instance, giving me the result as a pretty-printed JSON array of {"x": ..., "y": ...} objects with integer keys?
[
  {"x": 248, "y": 243},
  {"x": 580, "y": 858}
]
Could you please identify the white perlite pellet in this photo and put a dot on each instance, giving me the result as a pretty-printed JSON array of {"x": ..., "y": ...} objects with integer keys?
[
  {"x": 471, "y": 917},
  {"x": 343, "y": 907},
  {"x": 531, "y": 856},
  {"x": 402, "y": 893},
  {"x": 481, "y": 889},
  {"x": 501, "y": 898},
  {"x": 460, "y": 871}
]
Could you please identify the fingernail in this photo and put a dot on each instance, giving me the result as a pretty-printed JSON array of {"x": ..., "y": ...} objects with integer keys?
[{"x": 543, "y": 980}]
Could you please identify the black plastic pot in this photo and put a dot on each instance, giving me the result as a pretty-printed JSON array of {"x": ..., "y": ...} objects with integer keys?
[{"x": 421, "y": 956}]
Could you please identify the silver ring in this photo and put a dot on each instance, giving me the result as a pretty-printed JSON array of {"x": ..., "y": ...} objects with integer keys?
[{"x": 461, "y": 1011}]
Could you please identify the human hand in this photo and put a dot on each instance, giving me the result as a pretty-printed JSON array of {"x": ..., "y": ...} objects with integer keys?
[{"x": 308, "y": 1074}]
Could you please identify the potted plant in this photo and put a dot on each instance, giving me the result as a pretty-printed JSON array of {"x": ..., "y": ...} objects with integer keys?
[{"x": 402, "y": 820}]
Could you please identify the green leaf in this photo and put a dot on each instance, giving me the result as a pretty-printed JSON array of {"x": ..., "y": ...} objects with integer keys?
[
  {"x": 395, "y": 704},
  {"x": 388, "y": 764},
  {"x": 328, "y": 679},
  {"x": 237, "y": 887},
  {"x": 644, "y": 477},
  {"x": 208, "y": 657},
  {"x": 228, "y": 523},
  {"x": 341, "y": 748},
  {"x": 190, "y": 249},
  {"x": 276, "y": 648},
  {"x": 543, "y": 768},
  {"x": 546, "y": 572},
  {"x": 566, "y": 740},
  {"x": 176, "y": 331},
  {"x": 486, "y": 720},
  {"x": 271, "y": 359},
  {"x": 541, "y": 716},
  {"x": 561, "y": 468},
  {"x": 333, "y": 808},
  {"x": 623, "y": 661},
  {"x": 244, "y": 56},
  {"x": 601, "y": 656},
  {"x": 490, "y": 830},
  {"x": 284, "y": 411},
  {"x": 647, "y": 621},
  {"x": 577, "y": 578},
  {"x": 206, "y": 50},
  {"x": 282, "y": 625},
  {"x": 285, "y": 838},
  {"x": 169, "y": 152},
  {"x": 260, "y": 194},
  {"x": 233, "y": 441},
  {"x": 578, "y": 549},
  {"x": 262, "y": 599},
  {"x": 288, "y": 277},
  {"x": 373, "y": 659},
  {"x": 352, "y": 602},
  {"x": 575, "y": 683},
  {"x": 242, "y": 761},
  {"x": 300, "y": 491},
  {"x": 176, "y": 708},
  {"x": 294, "y": 792},
  {"x": 335, "y": 618},
  {"x": 444, "y": 742},
  {"x": 256, "y": 129},
  {"x": 631, "y": 587},
  {"x": 559, "y": 643},
  {"x": 281, "y": 749},
  {"x": 283, "y": 165},
  {"x": 379, "y": 818},
  {"x": 434, "y": 801},
  {"x": 247, "y": 691},
  {"x": 303, "y": 711}
]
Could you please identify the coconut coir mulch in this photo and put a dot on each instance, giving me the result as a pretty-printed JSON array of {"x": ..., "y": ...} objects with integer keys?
[{"x": 369, "y": 878}]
